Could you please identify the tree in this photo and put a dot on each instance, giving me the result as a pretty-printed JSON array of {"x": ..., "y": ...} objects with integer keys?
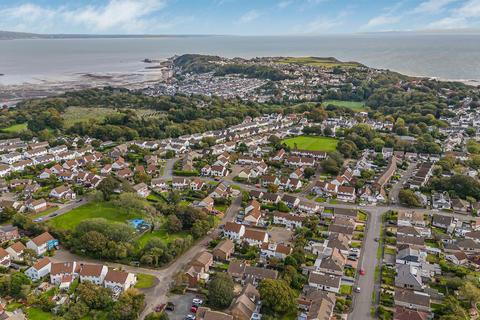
[
  {"x": 95, "y": 297},
  {"x": 108, "y": 186},
  {"x": 471, "y": 293},
  {"x": 308, "y": 172},
  {"x": 277, "y": 297},
  {"x": 220, "y": 291},
  {"x": 128, "y": 305},
  {"x": 174, "y": 224},
  {"x": 130, "y": 202},
  {"x": 157, "y": 316},
  {"x": 408, "y": 197},
  {"x": 77, "y": 310},
  {"x": 272, "y": 188},
  {"x": 19, "y": 285}
]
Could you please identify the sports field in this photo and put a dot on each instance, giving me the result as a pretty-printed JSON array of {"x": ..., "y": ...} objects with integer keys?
[
  {"x": 353, "y": 105},
  {"x": 312, "y": 143}
]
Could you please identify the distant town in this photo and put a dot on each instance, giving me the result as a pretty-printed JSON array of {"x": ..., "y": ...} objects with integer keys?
[{"x": 269, "y": 188}]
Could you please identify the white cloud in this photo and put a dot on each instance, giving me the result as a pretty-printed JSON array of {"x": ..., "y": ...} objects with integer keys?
[
  {"x": 465, "y": 16},
  {"x": 285, "y": 3},
  {"x": 432, "y": 6},
  {"x": 115, "y": 15},
  {"x": 383, "y": 20},
  {"x": 249, "y": 16}
]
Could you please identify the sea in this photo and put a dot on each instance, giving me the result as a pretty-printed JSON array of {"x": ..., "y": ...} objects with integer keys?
[{"x": 444, "y": 56}]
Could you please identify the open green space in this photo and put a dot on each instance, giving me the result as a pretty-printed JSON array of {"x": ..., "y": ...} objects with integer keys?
[
  {"x": 38, "y": 314},
  {"x": 73, "y": 115},
  {"x": 91, "y": 210},
  {"x": 353, "y": 105},
  {"x": 315, "y": 143},
  {"x": 15, "y": 128},
  {"x": 320, "y": 62},
  {"x": 162, "y": 234},
  {"x": 144, "y": 281},
  {"x": 46, "y": 212}
]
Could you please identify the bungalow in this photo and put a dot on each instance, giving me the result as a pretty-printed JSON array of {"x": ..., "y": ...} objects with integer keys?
[
  {"x": 36, "y": 206},
  {"x": 271, "y": 197},
  {"x": 275, "y": 250},
  {"x": 409, "y": 277},
  {"x": 40, "y": 244},
  {"x": 269, "y": 180},
  {"x": 197, "y": 185},
  {"x": 333, "y": 264},
  {"x": 255, "y": 237},
  {"x": 233, "y": 231},
  {"x": 119, "y": 280},
  {"x": 45, "y": 174},
  {"x": 63, "y": 193},
  {"x": 219, "y": 171},
  {"x": 442, "y": 222},
  {"x": 180, "y": 183},
  {"x": 124, "y": 173},
  {"x": 223, "y": 250},
  {"x": 414, "y": 300},
  {"x": 16, "y": 251},
  {"x": 106, "y": 169},
  {"x": 40, "y": 269},
  {"x": 295, "y": 161},
  {"x": 457, "y": 258},
  {"x": 8, "y": 232},
  {"x": 252, "y": 213},
  {"x": 290, "y": 201},
  {"x": 308, "y": 207},
  {"x": 323, "y": 281},
  {"x": 159, "y": 183},
  {"x": 207, "y": 203},
  {"x": 288, "y": 220},
  {"x": 141, "y": 189}
]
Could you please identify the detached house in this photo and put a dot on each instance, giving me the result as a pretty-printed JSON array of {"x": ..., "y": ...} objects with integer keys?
[
  {"x": 42, "y": 243},
  {"x": 16, "y": 251},
  {"x": 117, "y": 280},
  {"x": 63, "y": 193},
  {"x": 40, "y": 269}
]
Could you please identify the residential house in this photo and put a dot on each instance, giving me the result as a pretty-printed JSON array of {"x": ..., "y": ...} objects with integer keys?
[
  {"x": 118, "y": 280},
  {"x": 63, "y": 193},
  {"x": 141, "y": 189},
  {"x": 94, "y": 273},
  {"x": 40, "y": 269},
  {"x": 323, "y": 281},
  {"x": 61, "y": 269},
  {"x": 223, "y": 250},
  {"x": 42, "y": 243},
  {"x": 16, "y": 251},
  {"x": 255, "y": 237},
  {"x": 409, "y": 277},
  {"x": 234, "y": 231},
  {"x": 411, "y": 299}
]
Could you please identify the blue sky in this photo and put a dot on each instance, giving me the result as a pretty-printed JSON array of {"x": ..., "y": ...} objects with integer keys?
[{"x": 239, "y": 17}]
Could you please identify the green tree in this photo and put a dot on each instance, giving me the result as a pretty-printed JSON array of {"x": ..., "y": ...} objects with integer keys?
[
  {"x": 128, "y": 306},
  {"x": 408, "y": 197},
  {"x": 174, "y": 224},
  {"x": 277, "y": 297},
  {"x": 220, "y": 291}
]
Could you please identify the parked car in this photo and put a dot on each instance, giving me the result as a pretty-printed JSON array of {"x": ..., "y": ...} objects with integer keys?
[
  {"x": 357, "y": 289},
  {"x": 193, "y": 309},
  {"x": 356, "y": 250},
  {"x": 197, "y": 302},
  {"x": 362, "y": 272},
  {"x": 256, "y": 316},
  {"x": 190, "y": 317}
]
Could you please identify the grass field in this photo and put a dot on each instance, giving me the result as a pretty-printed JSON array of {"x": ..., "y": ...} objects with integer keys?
[
  {"x": 161, "y": 234},
  {"x": 15, "y": 128},
  {"x": 353, "y": 105},
  {"x": 80, "y": 114},
  {"x": 320, "y": 62},
  {"x": 312, "y": 143},
  {"x": 144, "y": 281},
  {"x": 46, "y": 212},
  {"x": 37, "y": 314},
  {"x": 105, "y": 210}
]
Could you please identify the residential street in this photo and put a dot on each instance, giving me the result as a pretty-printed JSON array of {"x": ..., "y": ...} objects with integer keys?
[
  {"x": 168, "y": 170},
  {"x": 399, "y": 185}
]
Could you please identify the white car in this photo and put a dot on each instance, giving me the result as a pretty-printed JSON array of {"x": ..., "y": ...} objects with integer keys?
[
  {"x": 356, "y": 250},
  {"x": 197, "y": 302}
]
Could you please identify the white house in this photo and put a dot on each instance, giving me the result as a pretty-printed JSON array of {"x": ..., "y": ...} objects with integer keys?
[
  {"x": 41, "y": 243},
  {"x": 119, "y": 280},
  {"x": 255, "y": 237},
  {"x": 63, "y": 192},
  {"x": 5, "y": 258},
  {"x": 289, "y": 220},
  {"x": 40, "y": 269},
  {"x": 16, "y": 251},
  {"x": 234, "y": 231},
  {"x": 94, "y": 273},
  {"x": 61, "y": 269}
]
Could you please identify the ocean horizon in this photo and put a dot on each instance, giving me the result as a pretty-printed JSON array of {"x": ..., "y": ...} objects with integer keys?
[{"x": 443, "y": 56}]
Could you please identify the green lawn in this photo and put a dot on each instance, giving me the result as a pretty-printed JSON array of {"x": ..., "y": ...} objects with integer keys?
[
  {"x": 16, "y": 128},
  {"x": 144, "y": 281},
  {"x": 354, "y": 105},
  {"x": 312, "y": 143},
  {"x": 162, "y": 234},
  {"x": 221, "y": 207},
  {"x": 105, "y": 210},
  {"x": 37, "y": 314},
  {"x": 345, "y": 289},
  {"x": 13, "y": 306},
  {"x": 82, "y": 114}
]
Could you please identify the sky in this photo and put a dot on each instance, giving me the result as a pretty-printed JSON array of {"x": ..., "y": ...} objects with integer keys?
[{"x": 236, "y": 17}]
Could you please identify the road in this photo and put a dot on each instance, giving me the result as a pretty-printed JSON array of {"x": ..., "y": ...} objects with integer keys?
[
  {"x": 168, "y": 170},
  {"x": 68, "y": 207},
  {"x": 362, "y": 301},
  {"x": 165, "y": 275},
  {"x": 399, "y": 185}
]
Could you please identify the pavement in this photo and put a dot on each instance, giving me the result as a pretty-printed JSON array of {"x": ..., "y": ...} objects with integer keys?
[{"x": 168, "y": 170}]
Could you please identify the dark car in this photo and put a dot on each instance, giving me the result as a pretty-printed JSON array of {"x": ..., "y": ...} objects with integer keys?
[{"x": 170, "y": 306}]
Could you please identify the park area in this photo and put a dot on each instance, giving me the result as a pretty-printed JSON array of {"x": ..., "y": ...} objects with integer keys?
[
  {"x": 314, "y": 143},
  {"x": 95, "y": 209},
  {"x": 356, "y": 106}
]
